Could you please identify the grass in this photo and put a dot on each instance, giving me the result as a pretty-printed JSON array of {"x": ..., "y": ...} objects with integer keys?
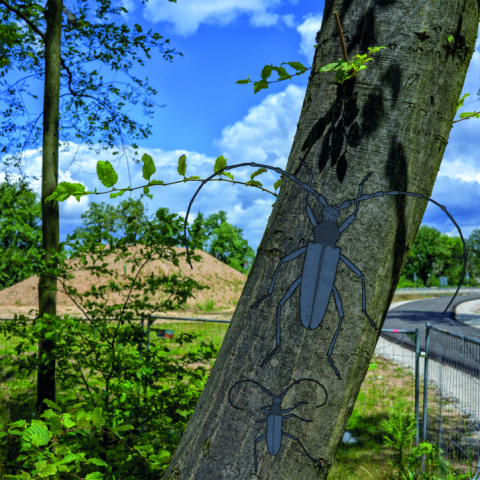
[{"x": 368, "y": 458}]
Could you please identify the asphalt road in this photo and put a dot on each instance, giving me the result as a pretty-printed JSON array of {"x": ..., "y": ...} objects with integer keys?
[{"x": 453, "y": 351}]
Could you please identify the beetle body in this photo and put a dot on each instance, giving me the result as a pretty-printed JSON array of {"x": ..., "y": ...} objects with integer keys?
[
  {"x": 275, "y": 417},
  {"x": 319, "y": 270},
  {"x": 274, "y": 425}
]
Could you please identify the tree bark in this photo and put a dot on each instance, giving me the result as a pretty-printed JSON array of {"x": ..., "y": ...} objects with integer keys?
[
  {"x": 394, "y": 120},
  {"x": 47, "y": 294}
]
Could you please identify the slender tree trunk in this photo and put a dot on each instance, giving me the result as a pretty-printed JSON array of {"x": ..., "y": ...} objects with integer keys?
[
  {"x": 394, "y": 120},
  {"x": 47, "y": 295}
]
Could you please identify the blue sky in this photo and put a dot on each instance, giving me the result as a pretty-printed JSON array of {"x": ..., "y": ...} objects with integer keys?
[{"x": 207, "y": 114}]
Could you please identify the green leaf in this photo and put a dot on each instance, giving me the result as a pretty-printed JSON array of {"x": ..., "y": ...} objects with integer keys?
[
  {"x": 182, "y": 165},
  {"x": 460, "y": 102},
  {"x": 243, "y": 81},
  {"x": 332, "y": 66},
  {"x": 229, "y": 175},
  {"x": 450, "y": 38},
  {"x": 146, "y": 191},
  {"x": 297, "y": 66},
  {"x": 193, "y": 178},
  {"x": 65, "y": 190},
  {"x": 258, "y": 172},
  {"x": 466, "y": 114},
  {"x": 52, "y": 404},
  {"x": 117, "y": 194},
  {"x": 253, "y": 182},
  {"x": 282, "y": 73},
  {"x": 220, "y": 163},
  {"x": 94, "y": 476},
  {"x": 39, "y": 435},
  {"x": 260, "y": 86},
  {"x": 267, "y": 71},
  {"x": 44, "y": 470},
  {"x": 106, "y": 173},
  {"x": 277, "y": 184},
  {"x": 148, "y": 168},
  {"x": 156, "y": 182}
]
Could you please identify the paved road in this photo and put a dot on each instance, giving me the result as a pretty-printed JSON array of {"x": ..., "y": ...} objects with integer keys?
[{"x": 454, "y": 351}]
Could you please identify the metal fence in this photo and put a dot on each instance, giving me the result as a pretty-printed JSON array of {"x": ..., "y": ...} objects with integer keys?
[{"x": 450, "y": 412}]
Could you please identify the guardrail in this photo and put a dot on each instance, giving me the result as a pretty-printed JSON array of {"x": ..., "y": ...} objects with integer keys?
[{"x": 437, "y": 290}]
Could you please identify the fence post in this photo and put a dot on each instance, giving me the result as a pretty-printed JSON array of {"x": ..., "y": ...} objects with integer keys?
[
  {"x": 425, "y": 390},
  {"x": 417, "y": 385}
]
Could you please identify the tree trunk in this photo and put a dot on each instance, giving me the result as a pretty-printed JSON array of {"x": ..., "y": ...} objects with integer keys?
[
  {"x": 47, "y": 295},
  {"x": 394, "y": 120}
]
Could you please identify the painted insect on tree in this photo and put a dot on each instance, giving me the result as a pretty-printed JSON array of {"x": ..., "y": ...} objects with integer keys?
[
  {"x": 321, "y": 258},
  {"x": 275, "y": 419}
]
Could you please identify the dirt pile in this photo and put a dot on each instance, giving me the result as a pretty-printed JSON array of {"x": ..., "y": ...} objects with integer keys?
[{"x": 226, "y": 285}]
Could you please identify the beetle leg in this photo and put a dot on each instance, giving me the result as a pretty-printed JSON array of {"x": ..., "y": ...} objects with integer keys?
[
  {"x": 261, "y": 437},
  {"x": 338, "y": 302},
  {"x": 296, "y": 416},
  {"x": 308, "y": 455},
  {"x": 289, "y": 293},
  {"x": 295, "y": 406},
  {"x": 354, "y": 269},
  {"x": 286, "y": 258},
  {"x": 261, "y": 421}
]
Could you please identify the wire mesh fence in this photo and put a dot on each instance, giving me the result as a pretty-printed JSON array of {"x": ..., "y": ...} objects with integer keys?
[{"x": 442, "y": 396}]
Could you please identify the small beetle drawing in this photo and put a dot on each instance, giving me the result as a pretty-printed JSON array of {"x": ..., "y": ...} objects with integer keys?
[
  {"x": 275, "y": 418},
  {"x": 321, "y": 258}
]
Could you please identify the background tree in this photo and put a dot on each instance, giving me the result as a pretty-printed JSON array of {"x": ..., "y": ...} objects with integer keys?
[
  {"x": 114, "y": 45},
  {"x": 434, "y": 255},
  {"x": 473, "y": 249},
  {"x": 226, "y": 241},
  {"x": 375, "y": 122},
  {"x": 426, "y": 250},
  {"x": 20, "y": 233},
  {"x": 134, "y": 209},
  {"x": 97, "y": 219},
  {"x": 198, "y": 226}
]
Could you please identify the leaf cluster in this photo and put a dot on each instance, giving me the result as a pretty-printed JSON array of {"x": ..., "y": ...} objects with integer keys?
[
  {"x": 108, "y": 177},
  {"x": 106, "y": 342}
]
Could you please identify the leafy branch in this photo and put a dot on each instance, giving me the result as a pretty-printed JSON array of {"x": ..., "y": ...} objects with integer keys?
[
  {"x": 107, "y": 175},
  {"x": 344, "y": 67}
]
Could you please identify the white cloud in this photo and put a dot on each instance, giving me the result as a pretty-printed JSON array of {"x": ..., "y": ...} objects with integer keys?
[
  {"x": 192, "y": 13},
  {"x": 265, "y": 134},
  {"x": 308, "y": 30}
]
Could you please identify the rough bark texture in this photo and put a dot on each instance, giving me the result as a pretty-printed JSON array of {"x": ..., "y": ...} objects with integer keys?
[
  {"x": 47, "y": 295},
  {"x": 393, "y": 120}
]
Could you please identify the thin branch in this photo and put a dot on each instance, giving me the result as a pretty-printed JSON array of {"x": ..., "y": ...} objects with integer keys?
[
  {"x": 22, "y": 15},
  {"x": 183, "y": 181}
]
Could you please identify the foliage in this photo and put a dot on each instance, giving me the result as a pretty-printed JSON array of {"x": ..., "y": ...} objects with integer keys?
[
  {"x": 111, "y": 44},
  {"x": 433, "y": 461},
  {"x": 399, "y": 430},
  {"x": 20, "y": 234},
  {"x": 345, "y": 69},
  {"x": 433, "y": 255},
  {"x": 108, "y": 177},
  {"x": 227, "y": 243},
  {"x": 52, "y": 462},
  {"x": 131, "y": 397},
  {"x": 198, "y": 227}
]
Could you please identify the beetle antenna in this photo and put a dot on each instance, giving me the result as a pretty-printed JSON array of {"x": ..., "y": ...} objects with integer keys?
[
  {"x": 242, "y": 381},
  {"x": 347, "y": 203},
  {"x": 318, "y": 195},
  {"x": 310, "y": 380}
]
